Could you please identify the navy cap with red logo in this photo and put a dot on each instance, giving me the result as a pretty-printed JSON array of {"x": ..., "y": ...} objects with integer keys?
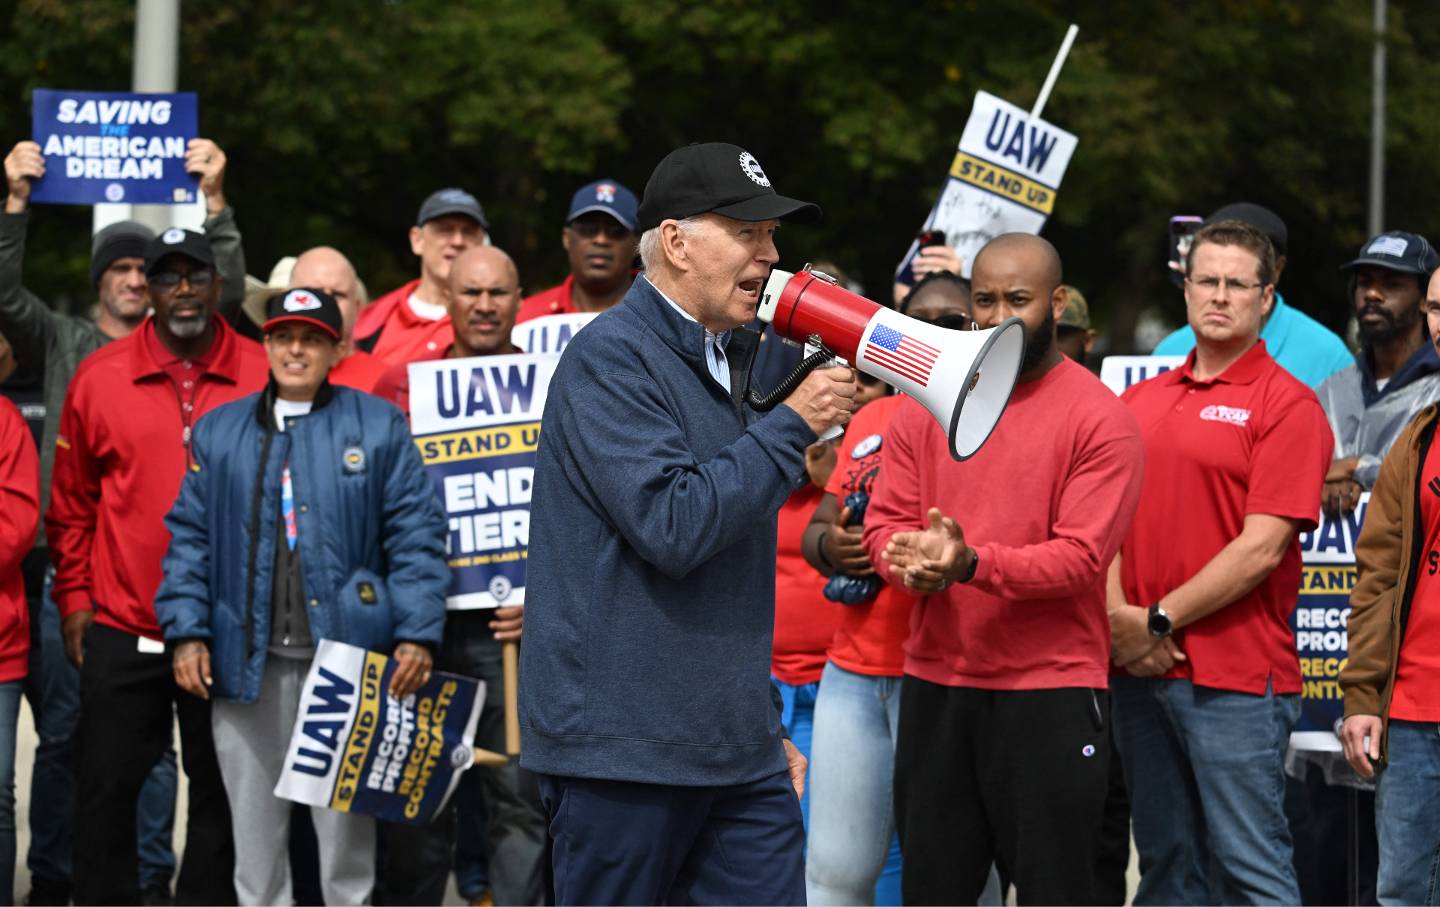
[
  {"x": 720, "y": 178},
  {"x": 307, "y": 306},
  {"x": 607, "y": 197}
]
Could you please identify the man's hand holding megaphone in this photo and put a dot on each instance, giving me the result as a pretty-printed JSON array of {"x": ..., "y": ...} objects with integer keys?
[
  {"x": 928, "y": 560},
  {"x": 825, "y": 399}
]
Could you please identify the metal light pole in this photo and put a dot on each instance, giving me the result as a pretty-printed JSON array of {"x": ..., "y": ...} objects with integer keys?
[
  {"x": 157, "y": 45},
  {"x": 1377, "y": 125}
]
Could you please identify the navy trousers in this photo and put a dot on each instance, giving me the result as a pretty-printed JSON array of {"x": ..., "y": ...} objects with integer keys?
[{"x": 616, "y": 842}]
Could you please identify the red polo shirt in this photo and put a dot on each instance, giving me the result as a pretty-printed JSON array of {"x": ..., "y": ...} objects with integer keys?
[
  {"x": 359, "y": 370},
  {"x": 1252, "y": 440},
  {"x": 123, "y": 448},
  {"x": 554, "y": 301},
  {"x": 403, "y": 335}
]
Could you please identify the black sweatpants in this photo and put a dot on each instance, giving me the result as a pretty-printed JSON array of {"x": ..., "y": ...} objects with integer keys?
[
  {"x": 128, "y": 704},
  {"x": 1014, "y": 777}
]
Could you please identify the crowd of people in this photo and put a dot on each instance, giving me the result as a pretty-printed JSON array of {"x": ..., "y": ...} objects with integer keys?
[{"x": 757, "y": 667}]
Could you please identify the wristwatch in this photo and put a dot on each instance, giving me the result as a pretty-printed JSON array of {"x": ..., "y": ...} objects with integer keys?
[{"x": 1159, "y": 622}]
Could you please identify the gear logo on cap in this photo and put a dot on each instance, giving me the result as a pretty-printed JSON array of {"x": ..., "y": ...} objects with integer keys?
[
  {"x": 173, "y": 236},
  {"x": 605, "y": 193},
  {"x": 752, "y": 169},
  {"x": 300, "y": 301}
]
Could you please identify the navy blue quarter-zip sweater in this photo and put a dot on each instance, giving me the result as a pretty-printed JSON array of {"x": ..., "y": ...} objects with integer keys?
[{"x": 650, "y": 588}]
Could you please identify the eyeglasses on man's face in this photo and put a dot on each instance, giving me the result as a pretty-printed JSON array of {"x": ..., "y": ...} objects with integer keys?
[
  {"x": 169, "y": 280},
  {"x": 1212, "y": 284}
]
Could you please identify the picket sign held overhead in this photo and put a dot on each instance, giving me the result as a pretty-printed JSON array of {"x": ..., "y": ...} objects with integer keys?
[
  {"x": 113, "y": 147},
  {"x": 1004, "y": 176}
]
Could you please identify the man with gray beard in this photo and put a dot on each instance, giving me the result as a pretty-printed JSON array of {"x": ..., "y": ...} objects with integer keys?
[{"x": 122, "y": 449}]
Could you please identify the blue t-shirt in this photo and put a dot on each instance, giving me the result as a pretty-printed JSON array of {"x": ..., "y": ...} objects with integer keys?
[{"x": 1303, "y": 346}]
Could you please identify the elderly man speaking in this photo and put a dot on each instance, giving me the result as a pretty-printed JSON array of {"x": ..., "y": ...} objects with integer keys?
[{"x": 646, "y": 704}]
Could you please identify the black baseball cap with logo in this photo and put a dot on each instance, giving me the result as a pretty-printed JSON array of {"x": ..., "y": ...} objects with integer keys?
[
  {"x": 719, "y": 178},
  {"x": 175, "y": 241},
  {"x": 306, "y": 305}
]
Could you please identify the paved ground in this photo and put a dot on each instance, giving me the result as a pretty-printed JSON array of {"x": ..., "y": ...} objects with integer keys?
[{"x": 25, "y": 760}]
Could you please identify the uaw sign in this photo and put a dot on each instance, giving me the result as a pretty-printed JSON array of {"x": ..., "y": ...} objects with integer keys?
[
  {"x": 549, "y": 333},
  {"x": 1321, "y": 623},
  {"x": 113, "y": 147},
  {"x": 355, "y": 748},
  {"x": 1321, "y": 616},
  {"x": 1003, "y": 178},
  {"x": 477, "y": 424}
]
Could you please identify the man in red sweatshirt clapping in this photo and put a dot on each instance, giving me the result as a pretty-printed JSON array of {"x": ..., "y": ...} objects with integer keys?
[{"x": 1003, "y": 745}]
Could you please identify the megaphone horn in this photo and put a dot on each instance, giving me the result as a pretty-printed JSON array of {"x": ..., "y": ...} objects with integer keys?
[{"x": 964, "y": 378}]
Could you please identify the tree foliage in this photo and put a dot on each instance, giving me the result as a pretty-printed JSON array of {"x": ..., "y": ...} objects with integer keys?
[{"x": 339, "y": 117}]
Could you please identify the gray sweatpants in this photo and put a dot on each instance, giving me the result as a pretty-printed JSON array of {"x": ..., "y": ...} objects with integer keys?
[{"x": 250, "y": 743}]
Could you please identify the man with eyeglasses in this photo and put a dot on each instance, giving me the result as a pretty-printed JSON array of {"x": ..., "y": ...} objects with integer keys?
[
  {"x": 1236, "y": 450},
  {"x": 1303, "y": 346},
  {"x": 122, "y": 450},
  {"x": 600, "y": 239},
  {"x": 48, "y": 346}
]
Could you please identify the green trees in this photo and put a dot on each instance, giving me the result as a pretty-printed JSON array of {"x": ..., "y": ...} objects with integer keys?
[{"x": 340, "y": 116}]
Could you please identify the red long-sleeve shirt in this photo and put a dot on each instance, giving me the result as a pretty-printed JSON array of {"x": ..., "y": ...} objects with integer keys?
[
  {"x": 123, "y": 448},
  {"x": 1045, "y": 503},
  {"x": 19, "y": 512}
]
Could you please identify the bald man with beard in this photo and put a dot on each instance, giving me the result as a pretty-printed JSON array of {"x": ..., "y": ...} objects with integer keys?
[
  {"x": 1003, "y": 745},
  {"x": 324, "y": 268},
  {"x": 483, "y": 298}
]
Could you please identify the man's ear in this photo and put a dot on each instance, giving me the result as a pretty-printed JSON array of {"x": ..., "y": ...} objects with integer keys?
[
  {"x": 415, "y": 238},
  {"x": 672, "y": 242},
  {"x": 565, "y": 239},
  {"x": 1059, "y": 300}
]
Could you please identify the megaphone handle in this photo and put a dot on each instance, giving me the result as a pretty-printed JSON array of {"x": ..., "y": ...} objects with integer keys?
[{"x": 791, "y": 381}]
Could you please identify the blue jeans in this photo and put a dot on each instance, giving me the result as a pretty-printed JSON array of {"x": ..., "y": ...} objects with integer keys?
[
  {"x": 9, "y": 717},
  {"x": 852, "y": 842},
  {"x": 798, "y": 716},
  {"x": 1407, "y": 815},
  {"x": 1206, "y": 773},
  {"x": 53, "y": 689}
]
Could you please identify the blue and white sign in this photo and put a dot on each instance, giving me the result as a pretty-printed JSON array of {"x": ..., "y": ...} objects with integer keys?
[
  {"x": 477, "y": 424},
  {"x": 1003, "y": 179},
  {"x": 1119, "y": 372},
  {"x": 356, "y": 748},
  {"x": 113, "y": 147},
  {"x": 549, "y": 333}
]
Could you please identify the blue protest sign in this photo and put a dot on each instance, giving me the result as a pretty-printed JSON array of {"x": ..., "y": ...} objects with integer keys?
[
  {"x": 113, "y": 147},
  {"x": 477, "y": 424},
  {"x": 1321, "y": 623},
  {"x": 357, "y": 749}
]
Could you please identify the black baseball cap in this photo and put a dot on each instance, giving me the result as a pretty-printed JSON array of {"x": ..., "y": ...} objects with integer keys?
[
  {"x": 175, "y": 241},
  {"x": 1396, "y": 250},
  {"x": 720, "y": 178},
  {"x": 1257, "y": 216},
  {"x": 451, "y": 201},
  {"x": 305, "y": 304}
]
